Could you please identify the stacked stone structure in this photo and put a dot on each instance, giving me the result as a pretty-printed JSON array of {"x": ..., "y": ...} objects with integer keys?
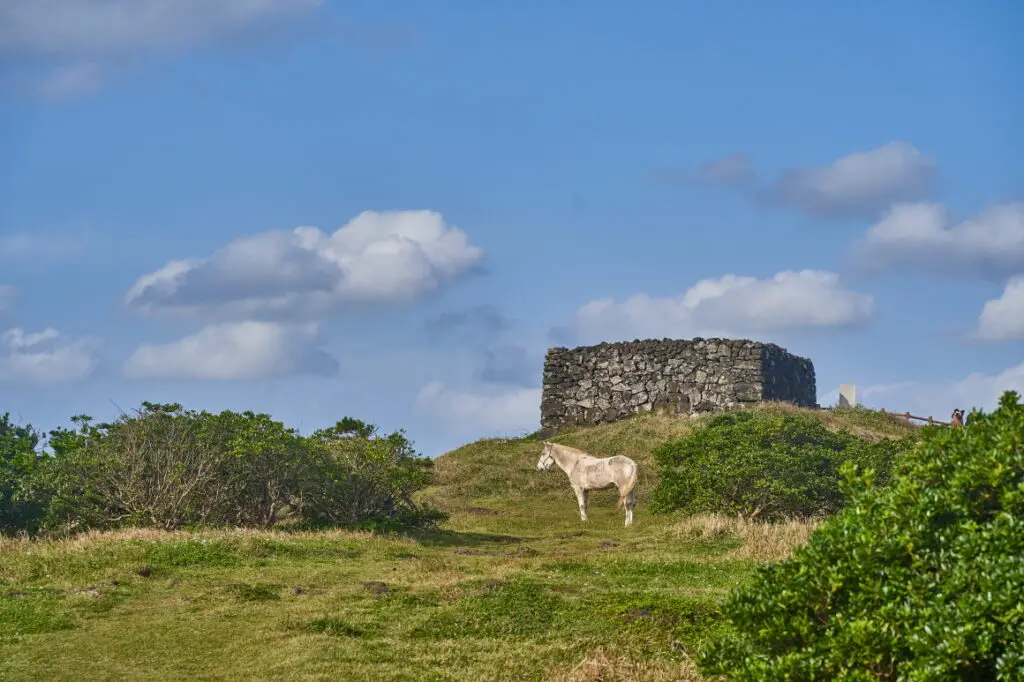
[{"x": 610, "y": 381}]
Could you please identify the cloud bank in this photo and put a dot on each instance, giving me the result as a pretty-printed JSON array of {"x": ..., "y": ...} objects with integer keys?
[
  {"x": 730, "y": 306},
  {"x": 858, "y": 185},
  {"x": 1002, "y": 319},
  {"x": 377, "y": 258},
  {"x": 81, "y": 42},
  {"x": 921, "y": 236},
  {"x": 234, "y": 351},
  {"x": 496, "y": 410},
  {"x": 46, "y": 357}
]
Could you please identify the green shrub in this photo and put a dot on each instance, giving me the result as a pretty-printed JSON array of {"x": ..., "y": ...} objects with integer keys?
[
  {"x": 362, "y": 478},
  {"x": 167, "y": 467},
  {"x": 20, "y": 506},
  {"x": 765, "y": 463},
  {"x": 919, "y": 580}
]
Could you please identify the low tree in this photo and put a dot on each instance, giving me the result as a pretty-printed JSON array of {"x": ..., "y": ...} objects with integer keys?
[
  {"x": 364, "y": 478},
  {"x": 157, "y": 468},
  {"x": 265, "y": 466},
  {"x": 67, "y": 480},
  {"x": 918, "y": 580},
  {"x": 20, "y": 506}
]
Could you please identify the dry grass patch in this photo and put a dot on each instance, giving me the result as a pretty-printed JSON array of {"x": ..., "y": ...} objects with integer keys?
[
  {"x": 86, "y": 541},
  {"x": 762, "y": 542},
  {"x": 864, "y": 423},
  {"x": 634, "y": 437},
  {"x": 600, "y": 665}
]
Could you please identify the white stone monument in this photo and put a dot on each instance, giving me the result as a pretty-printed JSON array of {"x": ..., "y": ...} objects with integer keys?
[{"x": 847, "y": 395}]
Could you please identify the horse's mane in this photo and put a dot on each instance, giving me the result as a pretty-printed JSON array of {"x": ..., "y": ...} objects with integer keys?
[{"x": 570, "y": 449}]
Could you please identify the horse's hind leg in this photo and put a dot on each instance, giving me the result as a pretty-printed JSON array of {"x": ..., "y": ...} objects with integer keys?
[{"x": 630, "y": 504}]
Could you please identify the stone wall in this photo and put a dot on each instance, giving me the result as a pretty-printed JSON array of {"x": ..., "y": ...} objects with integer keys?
[{"x": 610, "y": 381}]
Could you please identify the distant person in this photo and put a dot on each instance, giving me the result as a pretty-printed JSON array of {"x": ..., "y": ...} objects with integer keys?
[{"x": 957, "y": 418}]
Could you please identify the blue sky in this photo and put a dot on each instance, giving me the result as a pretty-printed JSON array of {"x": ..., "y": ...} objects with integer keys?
[{"x": 476, "y": 182}]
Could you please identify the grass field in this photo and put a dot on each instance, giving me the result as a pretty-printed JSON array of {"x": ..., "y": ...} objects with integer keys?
[{"x": 513, "y": 587}]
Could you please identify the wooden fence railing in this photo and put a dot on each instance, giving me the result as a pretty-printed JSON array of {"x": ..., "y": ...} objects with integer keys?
[
  {"x": 902, "y": 415},
  {"x": 910, "y": 417}
]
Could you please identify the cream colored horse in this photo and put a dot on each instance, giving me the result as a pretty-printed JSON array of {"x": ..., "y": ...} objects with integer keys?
[{"x": 588, "y": 473}]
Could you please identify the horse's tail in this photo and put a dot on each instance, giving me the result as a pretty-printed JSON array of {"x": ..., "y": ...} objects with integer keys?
[{"x": 628, "y": 489}]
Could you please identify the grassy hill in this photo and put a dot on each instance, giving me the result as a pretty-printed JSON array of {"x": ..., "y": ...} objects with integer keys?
[
  {"x": 514, "y": 587},
  {"x": 496, "y": 477}
]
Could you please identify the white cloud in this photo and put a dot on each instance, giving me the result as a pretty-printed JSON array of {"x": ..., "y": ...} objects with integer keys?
[
  {"x": 377, "y": 258},
  {"x": 921, "y": 236},
  {"x": 81, "y": 42},
  {"x": 981, "y": 390},
  {"x": 92, "y": 27},
  {"x": 70, "y": 80},
  {"x": 234, "y": 351},
  {"x": 1002, "y": 319},
  {"x": 18, "y": 247},
  {"x": 481, "y": 409},
  {"x": 729, "y": 306},
  {"x": 939, "y": 399},
  {"x": 47, "y": 357},
  {"x": 858, "y": 184},
  {"x": 8, "y": 295},
  {"x": 733, "y": 170}
]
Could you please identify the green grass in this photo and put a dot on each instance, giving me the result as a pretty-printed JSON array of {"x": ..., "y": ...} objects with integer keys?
[{"x": 514, "y": 586}]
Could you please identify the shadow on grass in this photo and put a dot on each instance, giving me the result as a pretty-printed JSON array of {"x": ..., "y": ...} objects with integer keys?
[{"x": 451, "y": 538}]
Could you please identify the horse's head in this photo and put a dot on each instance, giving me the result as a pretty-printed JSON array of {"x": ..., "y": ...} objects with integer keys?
[{"x": 546, "y": 458}]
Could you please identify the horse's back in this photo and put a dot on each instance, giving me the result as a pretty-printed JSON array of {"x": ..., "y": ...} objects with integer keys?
[{"x": 599, "y": 468}]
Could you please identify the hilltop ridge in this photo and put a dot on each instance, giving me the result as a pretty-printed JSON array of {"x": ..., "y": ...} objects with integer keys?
[{"x": 496, "y": 476}]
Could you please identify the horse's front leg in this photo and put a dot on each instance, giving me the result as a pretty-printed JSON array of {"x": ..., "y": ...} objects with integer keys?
[{"x": 581, "y": 497}]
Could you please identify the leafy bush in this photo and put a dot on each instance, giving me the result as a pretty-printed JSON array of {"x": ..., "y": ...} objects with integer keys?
[
  {"x": 918, "y": 580},
  {"x": 168, "y": 467},
  {"x": 366, "y": 479},
  {"x": 768, "y": 464},
  {"x": 19, "y": 508}
]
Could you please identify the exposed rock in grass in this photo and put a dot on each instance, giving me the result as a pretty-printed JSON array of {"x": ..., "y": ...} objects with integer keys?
[{"x": 376, "y": 587}]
